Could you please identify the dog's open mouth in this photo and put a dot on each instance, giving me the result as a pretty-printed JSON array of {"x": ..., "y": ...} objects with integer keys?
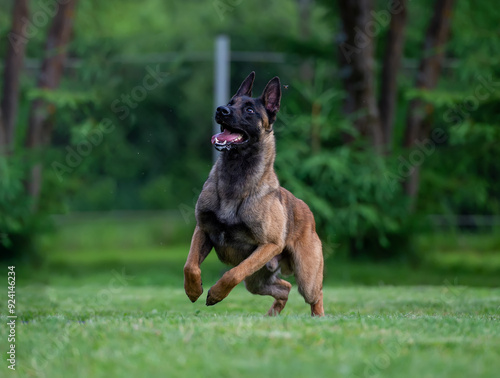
[{"x": 228, "y": 138}]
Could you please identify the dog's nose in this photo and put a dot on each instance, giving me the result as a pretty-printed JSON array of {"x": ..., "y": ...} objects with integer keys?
[{"x": 223, "y": 110}]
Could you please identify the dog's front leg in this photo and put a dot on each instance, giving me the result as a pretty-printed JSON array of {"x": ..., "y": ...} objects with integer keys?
[
  {"x": 247, "y": 267},
  {"x": 200, "y": 248}
]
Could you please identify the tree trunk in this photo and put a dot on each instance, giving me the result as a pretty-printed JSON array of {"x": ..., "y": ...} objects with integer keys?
[
  {"x": 14, "y": 60},
  {"x": 40, "y": 122},
  {"x": 306, "y": 67},
  {"x": 419, "y": 112},
  {"x": 390, "y": 67},
  {"x": 357, "y": 69}
]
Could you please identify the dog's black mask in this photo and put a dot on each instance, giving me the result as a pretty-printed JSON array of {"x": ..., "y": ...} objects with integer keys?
[{"x": 244, "y": 118}]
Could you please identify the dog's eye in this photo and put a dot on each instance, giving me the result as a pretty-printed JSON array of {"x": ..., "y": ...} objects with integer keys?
[{"x": 250, "y": 110}]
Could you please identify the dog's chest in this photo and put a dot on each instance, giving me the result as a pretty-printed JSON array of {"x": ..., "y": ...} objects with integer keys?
[
  {"x": 233, "y": 235},
  {"x": 226, "y": 227}
]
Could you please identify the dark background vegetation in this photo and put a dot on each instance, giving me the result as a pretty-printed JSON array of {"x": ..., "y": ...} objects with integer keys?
[{"x": 354, "y": 134}]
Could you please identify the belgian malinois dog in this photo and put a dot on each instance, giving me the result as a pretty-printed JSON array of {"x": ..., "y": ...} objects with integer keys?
[{"x": 253, "y": 224}]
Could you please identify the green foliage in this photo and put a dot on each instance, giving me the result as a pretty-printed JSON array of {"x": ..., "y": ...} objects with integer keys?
[
  {"x": 351, "y": 195},
  {"x": 22, "y": 222},
  {"x": 156, "y": 194},
  {"x": 14, "y": 205},
  {"x": 18, "y": 224},
  {"x": 61, "y": 98},
  {"x": 349, "y": 188},
  {"x": 459, "y": 176},
  {"x": 158, "y": 156}
]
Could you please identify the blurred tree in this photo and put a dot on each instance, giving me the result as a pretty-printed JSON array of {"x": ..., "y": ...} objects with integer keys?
[
  {"x": 418, "y": 125},
  {"x": 159, "y": 151},
  {"x": 20, "y": 220},
  {"x": 357, "y": 69},
  {"x": 360, "y": 25},
  {"x": 354, "y": 206},
  {"x": 14, "y": 59},
  {"x": 305, "y": 12},
  {"x": 42, "y": 111},
  {"x": 373, "y": 120},
  {"x": 390, "y": 68},
  {"x": 14, "y": 209}
]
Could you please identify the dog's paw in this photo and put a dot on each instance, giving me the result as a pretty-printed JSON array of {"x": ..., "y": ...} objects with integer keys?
[
  {"x": 193, "y": 287},
  {"x": 221, "y": 289},
  {"x": 212, "y": 298},
  {"x": 193, "y": 295}
]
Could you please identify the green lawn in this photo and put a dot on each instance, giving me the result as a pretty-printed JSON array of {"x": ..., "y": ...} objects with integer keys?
[
  {"x": 122, "y": 330},
  {"x": 129, "y": 317},
  {"x": 119, "y": 310}
]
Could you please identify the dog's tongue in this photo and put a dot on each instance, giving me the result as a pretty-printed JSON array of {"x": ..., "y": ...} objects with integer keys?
[{"x": 225, "y": 136}]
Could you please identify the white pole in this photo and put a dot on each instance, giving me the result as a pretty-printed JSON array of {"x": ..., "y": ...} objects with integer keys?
[{"x": 221, "y": 78}]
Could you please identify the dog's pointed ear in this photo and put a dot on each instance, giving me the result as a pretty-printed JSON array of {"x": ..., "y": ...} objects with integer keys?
[
  {"x": 246, "y": 87},
  {"x": 271, "y": 97}
]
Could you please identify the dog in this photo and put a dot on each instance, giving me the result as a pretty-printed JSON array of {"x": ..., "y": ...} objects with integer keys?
[{"x": 253, "y": 224}]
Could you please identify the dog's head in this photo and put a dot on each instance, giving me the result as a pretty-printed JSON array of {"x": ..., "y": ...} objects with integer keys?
[{"x": 245, "y": 119}]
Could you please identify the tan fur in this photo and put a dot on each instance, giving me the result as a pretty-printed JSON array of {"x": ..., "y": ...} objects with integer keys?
[{"x": 252, "y": 223}]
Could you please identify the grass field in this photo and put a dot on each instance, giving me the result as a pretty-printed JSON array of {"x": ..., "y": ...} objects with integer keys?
[
  {"x": 113, "y": 331},
  {"x": 122, "y": 312}
]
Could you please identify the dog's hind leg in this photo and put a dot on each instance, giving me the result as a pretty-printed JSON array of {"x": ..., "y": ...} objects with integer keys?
[
  {"x": 308, "y": 267},
  {"x": 265, "y": 283},
  {"x": 279, "y": 290}
]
